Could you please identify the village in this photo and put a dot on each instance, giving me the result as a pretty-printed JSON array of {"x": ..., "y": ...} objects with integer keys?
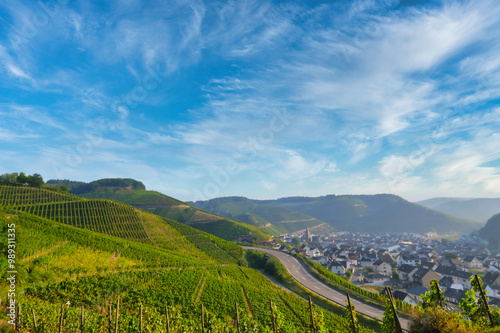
[{"x": 407, "y": 262}]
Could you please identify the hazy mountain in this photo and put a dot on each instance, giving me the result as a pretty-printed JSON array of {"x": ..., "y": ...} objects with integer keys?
[
  {"x": 475, "y": 209},
  {"x": 276, "y": 220},
  {"x": 370, "y": 213}
]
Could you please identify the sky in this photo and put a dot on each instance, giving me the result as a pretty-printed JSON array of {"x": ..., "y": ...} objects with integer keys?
[{"x": 263, "y": 99}]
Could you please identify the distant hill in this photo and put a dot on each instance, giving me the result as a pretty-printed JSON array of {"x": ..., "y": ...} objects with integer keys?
[
  {"x": 134, "y": 193},
  {"x": 375, "y": 213},
  {"x": 475, "y": 209},
  {"x": 370, "y": 213},
  {"x": 491, "y": 231},
  {"x": 276, "y": 220}
]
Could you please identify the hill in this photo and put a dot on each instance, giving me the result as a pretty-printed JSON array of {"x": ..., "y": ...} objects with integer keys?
[
  {"x": 370, "y": 213},
  {"x": 134, "y": 193},
  {"x": 154, "y": 263},
  {"x": 491, "y": 231},
  {"x": 275, "y": 220},
  {"x": 475, "y": 209}
]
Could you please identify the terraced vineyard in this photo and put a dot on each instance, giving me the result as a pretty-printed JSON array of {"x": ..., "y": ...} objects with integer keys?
[
  {"x": 58, "y": 263},
  {"x": 117, "y": 219}
]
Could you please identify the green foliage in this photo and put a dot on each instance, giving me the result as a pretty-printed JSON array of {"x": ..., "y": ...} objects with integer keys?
[
  {"x": 439, "y": 320},
  {"x": 451, "y": 255},
  {"x": 434, "y": 297},
  {"x": 15, "y": 179},
  {"x": 475, "y": 308},
  {"x": 256, "y": 259},
  {"x": 296, "y": 241}
]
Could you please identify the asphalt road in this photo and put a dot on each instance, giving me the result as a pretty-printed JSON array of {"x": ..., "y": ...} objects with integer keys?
[{"x": 297, "y": 270}]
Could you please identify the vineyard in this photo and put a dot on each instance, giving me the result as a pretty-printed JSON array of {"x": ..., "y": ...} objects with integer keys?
[
  {"x": 117, "y": 219},
  {"x": 61, "y": 264}
]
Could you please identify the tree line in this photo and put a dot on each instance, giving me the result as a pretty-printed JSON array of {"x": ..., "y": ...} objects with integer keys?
[{"x": 34, "y": 180}]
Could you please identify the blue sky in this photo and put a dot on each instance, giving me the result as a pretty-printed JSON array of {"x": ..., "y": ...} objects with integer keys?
[{"x": 255, "y": 98}]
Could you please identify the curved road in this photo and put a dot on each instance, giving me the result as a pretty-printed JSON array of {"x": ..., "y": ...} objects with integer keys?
[{"x": 297, "y": 270}]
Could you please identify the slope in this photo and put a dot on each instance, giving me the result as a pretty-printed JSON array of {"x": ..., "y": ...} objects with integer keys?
[
  {"x": 62, "y": 264},
  {"x": 374, "y": 213},
  {"x": 491, "y": 231},
  {"x": 134, "y": 193},
  {"x": 274, "y": 219},
  {"x": 478, "y": 209},
  {"x": 115, "y": 219}
]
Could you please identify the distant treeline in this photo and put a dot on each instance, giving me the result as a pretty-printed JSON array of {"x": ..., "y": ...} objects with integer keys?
[
  {"x": 21, "y": 179},
  {"x": 102, "y": 185}
]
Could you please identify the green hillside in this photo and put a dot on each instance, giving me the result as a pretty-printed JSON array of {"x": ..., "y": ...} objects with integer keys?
[
  {"x": 134, "y": 193},
  {"x": 491, "y": 231},
  {"x": 276, "y": 220},
  {"x": 58, "y": 263},
  {"x": 108, "y": 217},
  {"x": 370, "y": 213}
]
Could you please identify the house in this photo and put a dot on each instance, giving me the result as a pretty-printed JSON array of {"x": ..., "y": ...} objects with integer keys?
[
  {"x": 337, "y": 267},
  {"x": 406, "y": 258},
  {"x": 357, "y": 276},
  {"x": 322, "y": 260},
  {"x": 377, "y": 279},
  {"x": 424, "y": 276},
  {"x": 404, "y": 297},
  {"x": 446, "y": 282},
  {"x": 366, "y": 262},
  {"x": 454, "y": 296},
  {"x": 418, "y": 292},
  {"x": 385, "y": 258},
  {"x": 492, "y": 279},
  {"x": 382, "y": 267},
  {"x": 457, "y": 275},
  {"x": 472, "y": 262},
  {"x": 405, "y": 272}
]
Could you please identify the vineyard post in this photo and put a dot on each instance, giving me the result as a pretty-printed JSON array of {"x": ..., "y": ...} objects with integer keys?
[
  {"x": 202, "y": 320},
  {"x": 352, "y": 314},
  {"x": 117, "y": 313},
  {"x": 313, "y": 329},
  {"x": 485, "y": 303},
  {"x": 82, "y": 321},
  {"x": 397, "y": 324},
  {"x": 438, "y": 293},
  {"x": 140, "y": 321},
  {"x": 168, "y": 324},
  {"x": 61, "y": 318},
  {"x": 34, "y": 319},
  {"x": 110, "y": 318},
  {"x": 237, "y": 317},
  {"x": 272, "y": 316},
  {"x": 18, "y": 318}
]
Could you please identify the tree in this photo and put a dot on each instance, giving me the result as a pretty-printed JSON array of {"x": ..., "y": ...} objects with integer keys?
[
  {"x": 22, "y": 178},
  {"x": 35, "y": 180},
  {"x": 9, "y": 178},
  {"x": 296, "y": 241},
  {"x": 451, "y": 255}
]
